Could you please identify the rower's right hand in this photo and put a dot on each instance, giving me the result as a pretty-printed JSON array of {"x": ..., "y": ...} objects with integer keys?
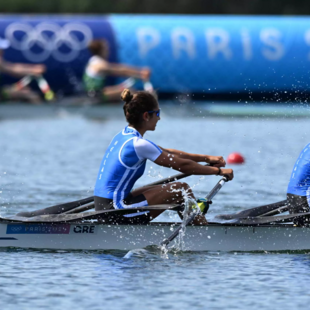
[
  {"x": 227, "y": 172},
  {"x": 38, "y": 70},
  {"x": 145, "y": 74}
]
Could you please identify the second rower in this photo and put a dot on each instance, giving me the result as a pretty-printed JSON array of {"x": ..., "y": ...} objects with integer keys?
[
  {"x": 98, "y": 68},
  {"x": 298, "y": 191}
]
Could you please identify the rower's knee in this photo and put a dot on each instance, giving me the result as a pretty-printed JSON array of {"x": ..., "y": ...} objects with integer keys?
[{"x": 184, "y": 188}]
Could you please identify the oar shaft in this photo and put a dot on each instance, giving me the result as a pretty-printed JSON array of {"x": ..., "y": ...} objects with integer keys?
[
  {"x": 209, "y": 197},
  {"x": 173, "y": 178},
  {"x": 82, "y": 208},
  {"x": 216, "y": 188},
  {"x": 274, "y": 212},
  {"x": 88, "y": 206}
]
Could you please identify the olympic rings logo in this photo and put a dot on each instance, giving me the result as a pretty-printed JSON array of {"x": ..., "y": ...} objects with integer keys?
[
  {"x": 16, "y": 228},
  {"x": 37, "y": 43}
]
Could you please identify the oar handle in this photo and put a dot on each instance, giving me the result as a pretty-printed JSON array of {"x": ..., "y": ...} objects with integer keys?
[
  {"x": 209, "y": 197},
  {"x": 216, "y": 188}
]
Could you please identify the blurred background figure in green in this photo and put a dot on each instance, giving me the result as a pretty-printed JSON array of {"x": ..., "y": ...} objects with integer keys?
[{"x": 98, "y": 68}]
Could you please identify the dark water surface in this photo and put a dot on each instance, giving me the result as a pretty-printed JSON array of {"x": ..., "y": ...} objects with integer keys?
[{"x": 49, "y": 161}]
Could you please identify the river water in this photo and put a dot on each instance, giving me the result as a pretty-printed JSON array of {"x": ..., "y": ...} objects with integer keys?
[{"x": 49, "y": 161}]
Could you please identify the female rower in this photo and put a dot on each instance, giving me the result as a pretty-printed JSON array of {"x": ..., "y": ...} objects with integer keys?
[
  {"x": 124, "y": 162},
  {"x": 98, "y": 68}
]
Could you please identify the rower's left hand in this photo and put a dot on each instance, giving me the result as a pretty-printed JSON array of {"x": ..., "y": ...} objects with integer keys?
[
  {"x": 217, "y": 161},
  {"x": 145, "y": 74}
]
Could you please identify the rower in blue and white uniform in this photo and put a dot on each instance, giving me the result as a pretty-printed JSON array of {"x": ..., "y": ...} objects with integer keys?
[
  {"x": 124, "y": 163},
  {"x": 298, "y": 191}
]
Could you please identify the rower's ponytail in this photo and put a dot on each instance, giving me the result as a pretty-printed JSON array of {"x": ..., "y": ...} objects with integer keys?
[
  {"x": 136, "y": 104},
  {"x": 126, "y": 95}
]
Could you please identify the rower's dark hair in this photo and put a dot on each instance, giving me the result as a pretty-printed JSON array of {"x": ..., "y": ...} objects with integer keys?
[
  {"x": 136, "y": 104},
  {"x": 96, "y": 47}
]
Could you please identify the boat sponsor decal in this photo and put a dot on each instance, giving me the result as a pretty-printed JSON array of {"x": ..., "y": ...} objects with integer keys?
[
  {"x": 84, "y": 229},
  {"x": 38, "y": 229}
]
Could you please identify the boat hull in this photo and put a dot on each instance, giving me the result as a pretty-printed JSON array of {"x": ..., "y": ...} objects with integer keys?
[{"x": 214, "y": 237}]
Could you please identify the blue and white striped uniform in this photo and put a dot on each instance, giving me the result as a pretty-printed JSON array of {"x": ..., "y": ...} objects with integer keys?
[
  {"x": 300, "y": 178},
  {"x": 122, "y": 165}
]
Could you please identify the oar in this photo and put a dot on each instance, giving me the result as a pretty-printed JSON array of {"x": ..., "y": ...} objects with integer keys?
[
  {"x": 85, "y": 204},
  {"x": 275, "y": 212},
  {"x": 112, "y": 215},
  {"x": 58, "y": 209},
  {"x": 89, "y": 206},
  {"x": 264, "y": 210},
  {"x": 271, "y": 219},
  {"x": 173, "y": 178},
  {"x": 209, "y": 197},
  {"x": 88, "y": 203}
]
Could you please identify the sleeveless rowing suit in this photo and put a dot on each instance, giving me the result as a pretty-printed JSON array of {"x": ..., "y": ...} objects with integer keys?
[
  {"x": 298, "y": 191},
  {"x": 122, "y": 165},
  {"x": 93, "y": 81}
]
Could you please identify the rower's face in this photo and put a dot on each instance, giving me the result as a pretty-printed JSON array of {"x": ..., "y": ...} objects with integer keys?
[{"x": 153, "y": 119}]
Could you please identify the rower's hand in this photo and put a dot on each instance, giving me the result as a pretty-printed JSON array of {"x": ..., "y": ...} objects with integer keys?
[
  {"x": 38, "y": 70},
  {"x": 145, "y": 74},
  {"x": 227, "y": 172},
  {"x": 216, "y": 161}
]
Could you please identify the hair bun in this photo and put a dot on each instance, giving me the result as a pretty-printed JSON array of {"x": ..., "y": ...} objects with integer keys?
[{"x": 126, "y": 95}]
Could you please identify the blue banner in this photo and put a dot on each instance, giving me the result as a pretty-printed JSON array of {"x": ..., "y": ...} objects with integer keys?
[
  {"x": 187, "y": 54},
  {"x": 218, "y": 54}
]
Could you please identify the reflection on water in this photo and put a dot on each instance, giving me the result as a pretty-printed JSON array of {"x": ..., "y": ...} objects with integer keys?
[{"x": 45, "y": 162}]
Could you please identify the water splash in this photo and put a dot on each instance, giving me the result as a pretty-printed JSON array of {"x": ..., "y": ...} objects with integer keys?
[
  {"x": 154, "y": 173},
  {"x": 190, "y": 205},
  {"x": 135, "y": 252}
]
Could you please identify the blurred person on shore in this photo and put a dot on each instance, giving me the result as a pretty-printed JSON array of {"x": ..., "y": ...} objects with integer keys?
[
  {"x": 98, "y": 68},
  {"x": 18, "y": 91}
]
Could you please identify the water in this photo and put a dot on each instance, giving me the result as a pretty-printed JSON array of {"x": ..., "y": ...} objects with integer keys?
[{"x": 49, "y": 161}]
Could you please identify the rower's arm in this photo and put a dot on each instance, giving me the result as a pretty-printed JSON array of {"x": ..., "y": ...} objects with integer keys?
[
  {"x": 189, "y": 166},
  {"x": 217, "y": 161},
  {"x": 121, "y": 70},
  {"x": 20, "y": 69}
]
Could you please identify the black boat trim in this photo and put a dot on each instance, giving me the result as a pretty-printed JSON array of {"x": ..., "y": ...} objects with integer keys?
[
  {"x": 112, "y": 216},
  {"x": 253, "y": 212},
  {"x": 58, "y": 209}
]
